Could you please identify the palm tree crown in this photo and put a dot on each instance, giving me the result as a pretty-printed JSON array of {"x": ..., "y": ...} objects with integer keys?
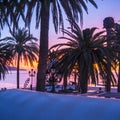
[
  {"x": 73, "y": 9},
  {"x": 86, "y": 49}
]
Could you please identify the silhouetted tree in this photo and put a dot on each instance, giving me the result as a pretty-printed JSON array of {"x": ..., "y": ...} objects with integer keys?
[
  {"x": 86, "y": 49},
  {"x": 45, "y": 8},
  {"x": 108, "y": 24},
  {"x": 5, "y": 58},
  {"x": 23, "y": 46},
  {"x": 24, "y": 9}
]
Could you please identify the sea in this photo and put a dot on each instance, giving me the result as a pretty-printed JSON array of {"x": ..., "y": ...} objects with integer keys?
[{"x": 10, "y": 81}]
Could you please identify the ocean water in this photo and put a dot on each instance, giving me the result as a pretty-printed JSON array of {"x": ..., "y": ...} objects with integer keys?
[{"x": 10, "y": 80}]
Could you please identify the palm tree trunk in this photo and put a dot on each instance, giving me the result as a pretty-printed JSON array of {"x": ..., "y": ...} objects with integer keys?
[
  {"x": 43, "y": 51},
  {"x": 83, "y": 84},
  {"x": 18, "y": 67},
  {"x": 83, "y": 79},
  {"x": 108, "y": 82},
  {"x": 75, "y": 80},
  {"x": 78, "y": 86},
  {"x": 65, "y": 82}
]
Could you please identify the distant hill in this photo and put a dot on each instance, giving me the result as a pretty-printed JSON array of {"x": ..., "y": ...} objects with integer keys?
[{"x": 14, "y": 68}]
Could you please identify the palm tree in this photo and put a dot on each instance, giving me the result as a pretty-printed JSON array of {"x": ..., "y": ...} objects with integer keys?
[
  {"x": 108, "y": 24},
  {"x": 73, "y": 9},
  {"x": 86, "y": 49},
  {"x": 23, "y": 46}
]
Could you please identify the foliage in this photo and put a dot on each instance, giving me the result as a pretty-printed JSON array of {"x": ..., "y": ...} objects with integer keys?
[
  {"x": 72, "y": 10},
  {"x": 24, "y": 44},
  {"x": 23, "y": 47},
  {"x": 108, "y": 23},
  {"x": 5, "y": 59},
  {"x": 85, "y": 48},
  {"x": 9, "y": 14},
  {"x": 24, "y": 9}
]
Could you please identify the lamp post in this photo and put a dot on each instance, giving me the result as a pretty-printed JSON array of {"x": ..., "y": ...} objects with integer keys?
[{"x": 31, "y": 74}]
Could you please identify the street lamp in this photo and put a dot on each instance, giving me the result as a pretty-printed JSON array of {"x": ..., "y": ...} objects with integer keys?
[{"x": 31, "y": 74}]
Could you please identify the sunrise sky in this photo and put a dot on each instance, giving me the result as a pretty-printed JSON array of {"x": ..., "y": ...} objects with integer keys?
[{"x": 106, "y": 8}]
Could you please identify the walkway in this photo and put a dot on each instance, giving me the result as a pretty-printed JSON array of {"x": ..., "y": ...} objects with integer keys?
[{"x": 29, "y": 105}]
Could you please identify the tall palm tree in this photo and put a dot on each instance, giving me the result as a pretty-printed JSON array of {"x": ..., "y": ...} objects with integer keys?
[
  {"x": 108, "y": 24},
  {"x": 86, "y": 49},
  {"x": 73, "y": 9},
  {"x": 23, "y": 46}
]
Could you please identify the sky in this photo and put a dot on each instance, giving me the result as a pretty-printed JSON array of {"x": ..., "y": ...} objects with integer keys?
[{"x": 94, "y": 18}]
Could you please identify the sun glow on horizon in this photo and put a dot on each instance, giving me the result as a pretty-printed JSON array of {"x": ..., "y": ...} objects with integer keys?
[{"x": 26, "y": 66}]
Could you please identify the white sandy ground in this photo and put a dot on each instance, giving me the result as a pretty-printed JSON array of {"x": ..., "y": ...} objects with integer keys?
[{"x": 29, "y": 105}]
